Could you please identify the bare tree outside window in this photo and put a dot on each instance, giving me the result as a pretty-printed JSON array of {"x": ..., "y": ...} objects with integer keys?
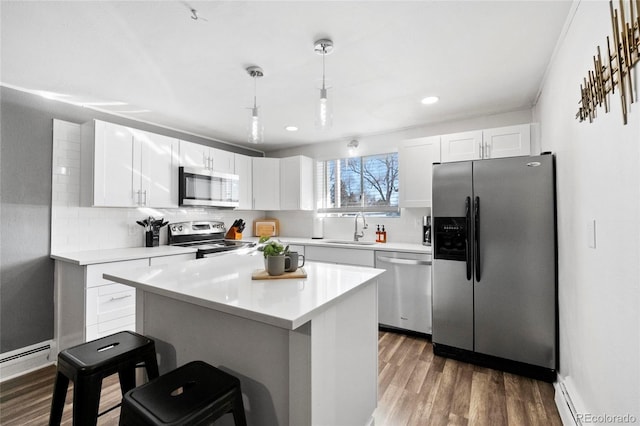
[{"x": 360, "y": 184}]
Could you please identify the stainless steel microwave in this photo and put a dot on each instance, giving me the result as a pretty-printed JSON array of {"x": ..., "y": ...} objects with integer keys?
[{"x": 202, "y": 187}]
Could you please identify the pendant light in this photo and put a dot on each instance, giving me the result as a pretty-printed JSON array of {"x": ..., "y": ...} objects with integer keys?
[
  {"x": 324, "y": 113},
  {"x": 255, "y": 131}
]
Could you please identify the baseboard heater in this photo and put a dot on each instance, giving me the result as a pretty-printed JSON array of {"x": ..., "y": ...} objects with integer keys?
[
  {"x": 565, "y": 405},
  {"x": 23, "y": 360}
]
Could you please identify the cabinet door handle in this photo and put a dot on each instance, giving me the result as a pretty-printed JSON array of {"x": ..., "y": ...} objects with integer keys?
[
  {"x": 120, "y": 297},
  {"x": 145, "y": 197},
  {"x": 138, "y": 195},
  {"x": 481, "y": 149}
]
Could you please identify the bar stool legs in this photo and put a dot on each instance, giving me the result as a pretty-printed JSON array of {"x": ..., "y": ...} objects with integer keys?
[{"x": 87, "y": 364}]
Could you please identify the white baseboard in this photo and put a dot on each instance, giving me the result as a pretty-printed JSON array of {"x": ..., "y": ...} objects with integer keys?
[
  {"x": 565, "y": 403},
  {"x": 24, "y": 360}
]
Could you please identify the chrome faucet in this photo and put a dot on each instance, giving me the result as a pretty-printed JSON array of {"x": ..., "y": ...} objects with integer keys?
[{"x": 356, "y": 235}]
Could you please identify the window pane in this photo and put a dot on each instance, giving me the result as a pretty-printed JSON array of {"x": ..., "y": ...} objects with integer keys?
[
  {"x": 367, "y": 184},
  {"x": 350, "y": 182},
  {"x": 380, "y": 174}
]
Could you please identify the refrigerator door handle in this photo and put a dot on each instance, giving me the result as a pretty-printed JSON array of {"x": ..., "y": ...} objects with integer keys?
[
  {"x": 476, "y": 215},
  {"x": 467, "y": 210}
]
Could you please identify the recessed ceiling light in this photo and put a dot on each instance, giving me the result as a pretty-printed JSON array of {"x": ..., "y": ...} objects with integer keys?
[
  {"x": 291, "y": 129},
  {"x": 430, "y": 100}
]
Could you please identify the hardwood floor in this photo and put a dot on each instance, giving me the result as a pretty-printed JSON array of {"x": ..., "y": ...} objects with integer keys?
[
  {"x": 417, "y": 388},
  {"x": 414, "y": 388}
]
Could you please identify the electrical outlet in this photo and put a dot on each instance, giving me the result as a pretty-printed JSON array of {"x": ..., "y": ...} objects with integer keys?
[{"x": 132, "y": 229}]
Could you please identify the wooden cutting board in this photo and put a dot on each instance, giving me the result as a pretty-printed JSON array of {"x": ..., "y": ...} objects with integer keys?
[
  {"x": 266, "y": 228},
  {"x": 261, "y": 274}
]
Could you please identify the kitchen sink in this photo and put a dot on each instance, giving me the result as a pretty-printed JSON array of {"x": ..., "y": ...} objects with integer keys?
[{"x": 360, "y": 243}]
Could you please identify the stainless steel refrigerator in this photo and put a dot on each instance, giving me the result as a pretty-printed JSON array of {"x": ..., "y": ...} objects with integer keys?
[{"x": 494, "y": 263}]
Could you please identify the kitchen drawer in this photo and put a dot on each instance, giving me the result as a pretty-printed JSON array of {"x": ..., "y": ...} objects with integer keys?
[
  {"x": 109, "y": 302},
  {"x": 166, "y": 260},
  {"x": 94, "y": 272},
  {"x": 340, "y": 255},
  {"x": 109, "y": 327}
]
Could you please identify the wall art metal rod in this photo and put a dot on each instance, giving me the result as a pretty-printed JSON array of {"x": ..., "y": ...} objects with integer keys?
[{"x": 616, "y": 69}]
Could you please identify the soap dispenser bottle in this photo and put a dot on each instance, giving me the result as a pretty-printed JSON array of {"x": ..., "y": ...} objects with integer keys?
[
  {"x": 383, "y": 235},
  {"x": 378, "y": 232}
]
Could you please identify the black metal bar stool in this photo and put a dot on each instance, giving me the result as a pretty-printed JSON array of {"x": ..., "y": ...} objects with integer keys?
[
  {"x": 88, "y": 363},
  {"x": 194, "y": 394}
]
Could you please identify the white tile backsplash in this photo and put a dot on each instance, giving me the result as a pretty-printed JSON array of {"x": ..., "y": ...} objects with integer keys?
[{"x": 407, "y": 228}]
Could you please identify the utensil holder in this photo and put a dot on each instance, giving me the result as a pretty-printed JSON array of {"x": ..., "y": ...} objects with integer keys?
[{"x": 152, "y": 239}]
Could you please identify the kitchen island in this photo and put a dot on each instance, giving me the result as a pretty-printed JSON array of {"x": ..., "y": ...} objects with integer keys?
[{"x": 305, "y": 350}]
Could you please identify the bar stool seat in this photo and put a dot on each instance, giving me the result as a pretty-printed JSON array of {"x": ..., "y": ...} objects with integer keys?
[
  {"x": 88, "y": 363},
  {"x": 196, "y": 393}
]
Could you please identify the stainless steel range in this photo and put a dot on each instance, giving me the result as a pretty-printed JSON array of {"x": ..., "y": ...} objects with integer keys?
[{"x": 207, "y": 236}]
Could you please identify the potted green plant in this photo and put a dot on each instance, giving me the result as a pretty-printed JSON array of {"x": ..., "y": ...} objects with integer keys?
[{"x": 274, "y": 253}]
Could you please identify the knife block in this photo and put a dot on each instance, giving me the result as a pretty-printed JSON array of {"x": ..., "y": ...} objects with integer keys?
[{"x": 233, "y": 234}]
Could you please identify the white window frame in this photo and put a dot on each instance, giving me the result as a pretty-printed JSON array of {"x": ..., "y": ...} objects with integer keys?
[{"x": 324, "y": 194}]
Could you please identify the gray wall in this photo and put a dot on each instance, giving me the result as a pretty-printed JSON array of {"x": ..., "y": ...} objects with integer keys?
[{"x": 26, "y": 271}]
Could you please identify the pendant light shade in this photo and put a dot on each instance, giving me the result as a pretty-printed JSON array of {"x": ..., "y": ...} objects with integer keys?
[
  {"x": 255, "y": 128},
  {"x": 324, "y": 109}
]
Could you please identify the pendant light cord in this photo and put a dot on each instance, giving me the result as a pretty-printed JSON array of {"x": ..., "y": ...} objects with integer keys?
[
  {"x": 255, "y": 91},
  {"x": 324, "y": 52}
]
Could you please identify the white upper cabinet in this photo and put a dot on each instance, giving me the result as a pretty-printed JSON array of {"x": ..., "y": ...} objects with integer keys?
[
  {"x": 461, "y": 146},
  {"x": 202, "y": 156},
  {"x": 113, "y": 166},
  {"x": 132, "y": 167},
  {"x": 296, "y": 183},
  {"x": 159, "y": 169},
  {"x": 511, "y": 141},
  {"x": 266, "y": 183},
  {"x": 222, "y": 161},
  {"x": 244, "y": 170},
  {"x": 416, "y": 158}
]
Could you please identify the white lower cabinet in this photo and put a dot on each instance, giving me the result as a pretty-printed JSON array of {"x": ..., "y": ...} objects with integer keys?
[
  {"x": 109, "y": 307},
  {"x": 340, "y": 255},
  {"x": 89, "y": 307}
]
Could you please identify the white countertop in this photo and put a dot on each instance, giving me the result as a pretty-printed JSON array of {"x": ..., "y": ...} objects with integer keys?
[
  {"x": 224, "y": 284},
  {"x": 90, "y": 257}
]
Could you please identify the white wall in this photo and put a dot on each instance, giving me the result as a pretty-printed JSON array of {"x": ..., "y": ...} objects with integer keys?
[{"x": 598, "y": 178}]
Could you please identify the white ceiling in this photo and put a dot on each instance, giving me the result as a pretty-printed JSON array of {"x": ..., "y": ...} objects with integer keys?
[{"x": 479, "y": 57}]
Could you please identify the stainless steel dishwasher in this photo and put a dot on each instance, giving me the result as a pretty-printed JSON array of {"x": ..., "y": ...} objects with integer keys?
[{"x": 404, "y": 290}]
